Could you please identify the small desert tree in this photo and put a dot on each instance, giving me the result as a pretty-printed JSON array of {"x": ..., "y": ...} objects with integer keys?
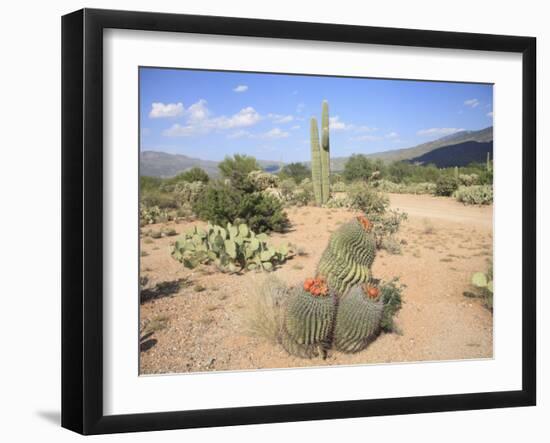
[
  {"x": 295, "y": 171},
  {"x": 194, "y": 174},
  {"x": 359, "y": 168},
  {"x": 237, "y": 168}
]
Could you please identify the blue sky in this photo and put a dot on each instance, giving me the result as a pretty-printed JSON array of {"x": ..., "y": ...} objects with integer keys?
[{"x": 209, "y": 114}]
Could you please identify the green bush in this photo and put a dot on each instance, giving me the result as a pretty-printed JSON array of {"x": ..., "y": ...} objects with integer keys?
[
  {"x": 221, "y": 204},
  {"x": 194, "y": 174},
  {"x": 296, "y": 171},
  {"x": 406, "y": 188},
  {"x": 237, "y": 168},
  {"x": 385, "y": 226},
  {"x": 367, "y": 199},
  {"x": 474, "y": 195},
  {"x": 359, "y": 167},
  {"x": 446, "y": 185}
]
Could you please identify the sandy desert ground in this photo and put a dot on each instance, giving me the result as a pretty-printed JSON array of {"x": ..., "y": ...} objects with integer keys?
[{"x": 194, "y": 318}]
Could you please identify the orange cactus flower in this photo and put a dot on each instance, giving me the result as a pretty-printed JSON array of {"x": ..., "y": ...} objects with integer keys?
[
  {"x": 365, "y": 222},
  {"x": 373, "y": 291},
  {"x": 308, "y": 283}
]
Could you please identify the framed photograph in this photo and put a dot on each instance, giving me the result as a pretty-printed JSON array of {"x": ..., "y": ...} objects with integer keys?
[{"x": 269, "y": 221}]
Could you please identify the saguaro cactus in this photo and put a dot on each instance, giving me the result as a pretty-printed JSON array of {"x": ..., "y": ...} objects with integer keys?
[
  {"x": 320, "y": 157},
  {"x": 316, "y": 168},
  {"x": 325, "y": 153}
]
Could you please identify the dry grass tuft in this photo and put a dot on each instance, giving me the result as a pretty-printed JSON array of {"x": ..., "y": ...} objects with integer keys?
[{"x": 264, "y": 313}]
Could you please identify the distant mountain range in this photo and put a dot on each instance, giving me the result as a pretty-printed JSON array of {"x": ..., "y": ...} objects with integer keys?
[
  {"x": 458, "y": 149},
  {"x": 162, "y": 164}
]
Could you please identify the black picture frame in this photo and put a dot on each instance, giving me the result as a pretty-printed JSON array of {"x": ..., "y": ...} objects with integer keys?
[{"x": 82, "y": 218}]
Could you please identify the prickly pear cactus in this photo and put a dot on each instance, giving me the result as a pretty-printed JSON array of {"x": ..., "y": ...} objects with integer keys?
[
  {"x": 349, "y": 256},
  {"x": 234, "y": 248},
  {"x": 309, "y": 319},
  {"x": 358, "y": 319}
]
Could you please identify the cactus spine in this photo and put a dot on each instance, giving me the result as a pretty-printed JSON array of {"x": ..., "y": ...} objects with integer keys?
[
  {"x": 358, "y": 320},
  {"x": 325, "y": 153},
  {"x": 308, "y": 323},
  {"x": 349, "y": 256},
  {"x": 320, "y": 157},
  {"x": 316, "y": 168}
]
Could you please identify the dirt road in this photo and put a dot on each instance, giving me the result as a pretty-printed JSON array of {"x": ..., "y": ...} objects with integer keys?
[{"x": 199, "y": 326}]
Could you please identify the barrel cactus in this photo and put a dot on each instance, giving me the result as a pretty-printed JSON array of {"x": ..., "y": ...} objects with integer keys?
[
  {"x": 309, "y": 319},
  {"x": 349, "y": 255},
  {"x": 359, "y": 318}
]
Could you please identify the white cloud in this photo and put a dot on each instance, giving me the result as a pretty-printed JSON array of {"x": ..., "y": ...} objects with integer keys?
[
  {"x": 490, "y": 114},
  {"x": 177, "y": 130},
  {"x": 472, "y": 103},
  {"x": 300, "y": 107},
  {"x": 198, "y": 111},
  {"x": 245, "y": 117},
  {"x": 161, "y": 110},
  {"x": 276, "y": 133},
  {"x": 366, "y": 129},
  {"x": 439, "y": 131},
  {"x": 278, "y": 118},
  {"x": 241, "y": 133},
  {"x": 392, "y": 135},
  {"x": 337, "y": 125},
  {"x": 198, "y": 121},
  {"x": 295, "y": 127},
  {"x": 241, "y": 88}
]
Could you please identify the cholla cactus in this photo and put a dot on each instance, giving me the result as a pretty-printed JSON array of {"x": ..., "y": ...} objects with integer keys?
[
  {"x": 263, "y": 180},
  {"x": 349, "y": 255}
]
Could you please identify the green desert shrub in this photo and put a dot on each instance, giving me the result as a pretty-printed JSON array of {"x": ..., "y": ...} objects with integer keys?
[
  {"x": 236, "y": 170},
  {"x": 367, "y": 199},
  {"x": 474, "y": 195},
  {"x": 446, "y": 185},
  {"x": 221, "y": 204},
  {"x": 295, "y": 171},
  {"x": 195, "y": 174},
  {"x": 339, "y": 186},
  {"x": 468, "y": 179},
  {"x": 406, "y": 188},
  {"x": 359, "y": 167},
  {"x": 385, "y": 226}
]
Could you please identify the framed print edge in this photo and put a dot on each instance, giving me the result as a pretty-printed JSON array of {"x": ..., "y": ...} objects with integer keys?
[{"x": 82, "y": 222}]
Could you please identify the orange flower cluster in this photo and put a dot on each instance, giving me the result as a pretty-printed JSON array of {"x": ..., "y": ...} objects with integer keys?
[
  {"x": 367, "y": 225},
  {"x": 316, "y": 286},
  {"x": 372, "y": 291}
]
